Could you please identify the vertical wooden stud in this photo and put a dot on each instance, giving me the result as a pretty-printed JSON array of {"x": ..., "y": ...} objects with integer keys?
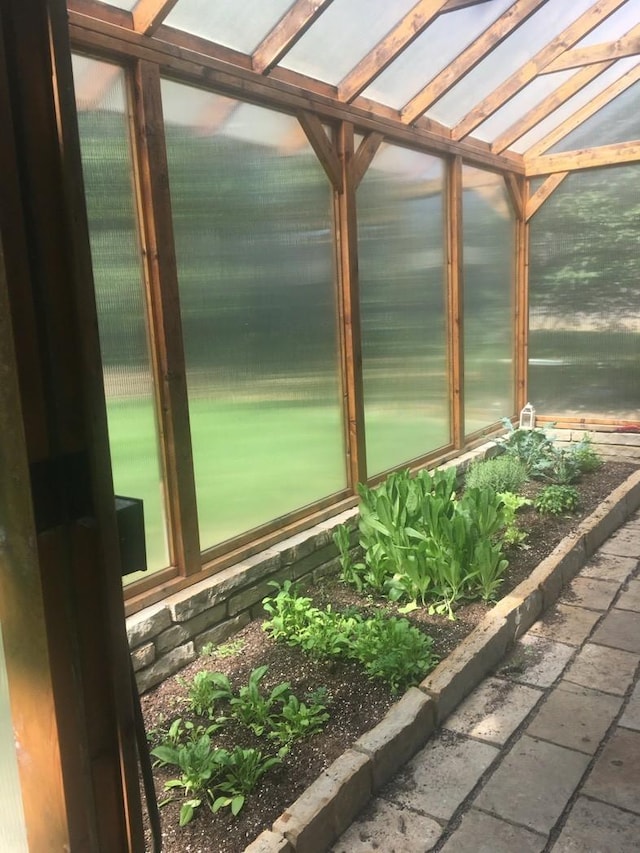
[
  {"x": 455, "y": 300},
  {"x": 522, "y": 307},
  {"x": 347, "y": 239},
  {"x": 164, "y": 316}
]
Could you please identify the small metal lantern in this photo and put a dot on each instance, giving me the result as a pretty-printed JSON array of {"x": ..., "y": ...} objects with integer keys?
[{"x": 528, "y": 417}]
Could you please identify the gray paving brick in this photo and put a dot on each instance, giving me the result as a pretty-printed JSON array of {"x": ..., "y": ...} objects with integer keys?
[
  {"x": 615, "y": 776},
  {"x": 608, "y": 567},
  {"x": 631, "y": 717},
  {"x": 593, "y": 593},
  {"x": 620, "y": 629},
  {"x": 536, "y": 661},
  {"x": 564, "y": 624},
  {"x": 630, "y": 597},
  {"x": 602, "y": 668},
  {"x": 439, "y": 777},
  {"x": 483, "y": 833},
  {"x": 575, "y": 717},
  {"x": 494, "y": 710},
  {"x": 624, "y": 543},
  {"x": 598, "y": 828},
  {"x": 388, "y": 828},
  {"x": 533, "y": 784}
]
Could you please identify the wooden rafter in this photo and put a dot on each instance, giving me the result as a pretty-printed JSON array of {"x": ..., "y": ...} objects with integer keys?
[
  {"x": 101, "y": 12},
  {"x": 536, "y": 114},
  {"x": 286, "y": 33},
  {"x": 581, "y": 115},
  {"x": 469, "y": 58},
  {"x": 321, "y": 144},
  {"x": 519, "y": 79},
  {"x": 535, "y": 201},
  {"x": 388, "y": 49},
  {"x": 585, "y": 158},
  {"x": 149, "y": 14},
  {"x": 628, "y": 45}
]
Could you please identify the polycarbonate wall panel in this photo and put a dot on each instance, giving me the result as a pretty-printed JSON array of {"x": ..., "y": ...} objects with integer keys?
[
  {"x": 119, "y": 287},
  {"x": 584, "y": 296},
  {"x": 618, "y": 121},
  {"x": 488, "y": 264},
  {"x": 13, "y": 835},
  {"x": 401, "y": 240},
  {"x": 254, "y": 239}
]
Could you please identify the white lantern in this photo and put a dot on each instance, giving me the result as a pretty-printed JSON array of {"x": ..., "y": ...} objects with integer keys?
[{"x": 528, "y": 417}]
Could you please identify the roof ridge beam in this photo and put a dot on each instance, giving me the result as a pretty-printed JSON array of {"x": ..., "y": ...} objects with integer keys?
[
  {"x": 466, "y": 61},
  {"x": 590, "y": 19}
]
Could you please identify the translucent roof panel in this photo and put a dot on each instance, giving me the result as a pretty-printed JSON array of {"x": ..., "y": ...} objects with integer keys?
[
  {"x": 520, "y": 104},
  {"x": 225, "y": 23},
  {"x": 420, "y": 63},
  {"x": 521, "y": 46},
  {"x": 617, "y": 121},
  {"x": 615, "y": 26},
  {"x": 342, "y": 35},
  {"x": 579, "y": 100},
  {"x": 127, "y": 5}
]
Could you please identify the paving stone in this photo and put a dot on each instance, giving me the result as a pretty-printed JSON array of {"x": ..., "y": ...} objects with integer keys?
[
  {"x": 566, "y": 624},
  {"x": 608, "y": 567},
  {"x": 438, "y": 779},
  {"x": 595, "y": 826},
  {"x": 536, "y": 661},
  {"x": 387, "y": 828},
  {"x": 609, "y": 670},
  {"x": 483, "y": 833},
  {"x": 575, "y": 717},
  {"x": 533, "y": 784},
  {"x": 631, "y": 717},
  {"x": 494, "y": 710},
  {"x": 615, "y": 775},
  {"x": 630, "y": 598},
  {"x": 624, "y": 543},
  {"x": 620, "y": 629},
  {"x": 590, "y": 592}
]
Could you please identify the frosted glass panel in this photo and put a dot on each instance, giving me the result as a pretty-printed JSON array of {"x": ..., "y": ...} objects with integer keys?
[
  {"x": 618, "y": 121},
  {"x": 13, "y": 837},
  {"x": 401, "y": 263},
  {"x": 488, "y": 256},
  {"x": 254, "y": 239},
  {"x": 241, "y": 26},
  {"x": 506, "y": 58},
  {"x": 342, "y": 35},
  {"x": 117, "y": 272},
  {"x": 584, "y": 292},
  {"x": 419, "y": 62}
]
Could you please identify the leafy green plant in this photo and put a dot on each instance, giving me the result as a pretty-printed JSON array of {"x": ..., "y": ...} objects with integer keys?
[
  {"x": 240, "y": 770},
  {"x": 298, "y": 719},
  {"x": 224, "y": 650},
  {"x": 512, "y": 534},
  {"x": 254, "y": 708},
  {"x": 586, "y": 456},
  {"x": 503, "y": 473},
  {"x": 203, "y": 692},
  {"x": 198, "y": 763},
  {"x": 556, "y": 500},
  {"x": 532, "y": 447}
]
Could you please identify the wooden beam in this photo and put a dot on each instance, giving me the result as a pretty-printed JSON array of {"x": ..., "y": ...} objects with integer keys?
[
  {"x": 581, "y": 115},
  {"x": 163, "y": 302},
  {"x": 515, "y": 188},
  {"x": 364, "y": 155},
  {"x": 350, "y": 324},
  {"x": 149, "y": 14},
  {"x": 586, "y": 158},
  {"x": 286, "y": 33},
  {"x": 536, "y": 114},
  {"x": 455, "y": 300},
  {"x": 469, "y": 58},
  {"x": 211, "y": 73},
  {"x": 518, "y": 80},
  {"x": 521, "y": 324},
  {"x": 321, "y": 144},
  {"x": 101, "y": 12},
  {"x": 628, "y": 45},
  {"x": 389, "y": 48},
  {"x": 543, "y": 192}
]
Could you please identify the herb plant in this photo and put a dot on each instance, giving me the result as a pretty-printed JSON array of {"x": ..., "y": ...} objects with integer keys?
[
  {"x": 556, "y": 500},
  {"x": 505, "y": 473}
]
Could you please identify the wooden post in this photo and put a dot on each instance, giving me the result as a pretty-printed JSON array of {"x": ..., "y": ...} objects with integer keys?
[
  {"x": 521, "y": 307},
  {"x": 455, "y": 300},
  {"x": 165, "y": 321},
  {"x": 347, "y": 234}
]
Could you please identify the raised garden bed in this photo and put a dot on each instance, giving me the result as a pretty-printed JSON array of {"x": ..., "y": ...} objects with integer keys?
[{"x": 356, "y": 703}]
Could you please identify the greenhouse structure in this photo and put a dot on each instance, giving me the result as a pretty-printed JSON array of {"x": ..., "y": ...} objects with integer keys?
[{"x": 252, "y": 254}]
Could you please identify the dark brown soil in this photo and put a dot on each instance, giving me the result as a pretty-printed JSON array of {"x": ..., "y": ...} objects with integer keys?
[{"x": 356, "y": 703}]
